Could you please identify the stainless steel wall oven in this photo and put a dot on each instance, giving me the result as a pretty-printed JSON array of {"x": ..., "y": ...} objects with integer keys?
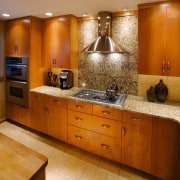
[{"x": 17, "y": 80}]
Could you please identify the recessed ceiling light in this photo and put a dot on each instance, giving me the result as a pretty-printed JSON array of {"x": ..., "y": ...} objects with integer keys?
[
  {"x": 85, "y": 14},
  {"x": 49, "y": 14},
  {"x": 5, "y": 15},
  {"x": 125, "y": 8}
]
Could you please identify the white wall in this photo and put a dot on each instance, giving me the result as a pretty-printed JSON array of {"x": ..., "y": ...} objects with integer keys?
[{"x": 2, "y": 71}]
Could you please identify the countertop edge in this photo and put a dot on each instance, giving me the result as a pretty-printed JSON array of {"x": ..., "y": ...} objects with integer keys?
[{"x": 132, "y": 103}]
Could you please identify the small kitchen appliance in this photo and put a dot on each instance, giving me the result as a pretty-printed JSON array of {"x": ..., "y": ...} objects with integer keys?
[{"x": 66, "y": 79}]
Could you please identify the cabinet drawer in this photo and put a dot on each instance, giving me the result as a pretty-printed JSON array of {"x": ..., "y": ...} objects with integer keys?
[
  {"x": 93, "y": 142},
  {"x": 38, "y": 98},
  {"x": 137, "y": 119},
  {"x": 80, "y": 106},
  {"x": 57, "y": 102},
  {"x": 93, "y": 123},
  {"x": 107, "y": 112}
]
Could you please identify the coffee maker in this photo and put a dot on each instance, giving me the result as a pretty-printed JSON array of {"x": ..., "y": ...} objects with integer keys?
[{"x": 66, "y": 79}]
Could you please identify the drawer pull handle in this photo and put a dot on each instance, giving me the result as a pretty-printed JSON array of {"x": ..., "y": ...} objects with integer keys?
[
  {"x": 57, "y": 102},
  {"x": 78, "y": 106},
  {"x": 79, "y": 119},
  {"x": 38, "y": 97},
  {"x": 78, "y": 137},
  {"x": 105, "y": 126},
  {"x": 136, "y": 119},
  {"x": 105, "y": 146},
  {"x": 106, "y": 112}
]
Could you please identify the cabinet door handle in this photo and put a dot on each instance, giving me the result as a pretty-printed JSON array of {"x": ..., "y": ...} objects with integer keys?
[
  {"x": 168, "y": 66},
  {"x": 79, "y": 119},
  {"x": 123, "y": 131},
  {"x": 37, "y": 97},
  {"x": 106, "y": 112},
  {"x": 78, "y": 137},
  {"x": 136, "y": 119},
  {"x": 78, "y": 106},
  {"x": 163, "y": 66},
  {"x": 105, "y": 126},
  {"x": 57, "y": 102},
  {"x": 105, "y": 146}
]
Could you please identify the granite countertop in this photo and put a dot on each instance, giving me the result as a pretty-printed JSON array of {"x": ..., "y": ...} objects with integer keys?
[{"x": 170, "y": 110}]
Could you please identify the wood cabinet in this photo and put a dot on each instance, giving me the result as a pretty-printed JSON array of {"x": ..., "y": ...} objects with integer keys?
[
  {"x": 179, "y": 155},
  {"x": 159, "y": 38},
  {"x": 86, "y": 122},
  {"x": 23, "y": 37},
  {"x": 136, "y": 140},
  {"x": 49, "y": 115},
  {"x": 17, "y": 113},
  {"x": 60, "y": 41},
  {"x": 17, "y": 37},
  {"x": 165, "y": 139}
]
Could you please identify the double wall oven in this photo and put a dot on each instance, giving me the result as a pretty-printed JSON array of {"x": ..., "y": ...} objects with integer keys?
[{"x": 17, "y": 80}]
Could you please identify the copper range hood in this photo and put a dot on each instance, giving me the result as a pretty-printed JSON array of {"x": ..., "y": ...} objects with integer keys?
[{"x": 104, "y": 43}]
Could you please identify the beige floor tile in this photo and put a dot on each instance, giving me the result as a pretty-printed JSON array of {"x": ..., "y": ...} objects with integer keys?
[
  {"x": 51, "y": 175},
  {"x": 66, "y": 162},
  {"x": 113, "y": 177},
  {"x": 90, "y": 159},
  {"x": 92, "y": 173},
  {"x": 73, "y": 169},
  {"x": 109, "y": 166},
  {"x": 127, "y": 175}
]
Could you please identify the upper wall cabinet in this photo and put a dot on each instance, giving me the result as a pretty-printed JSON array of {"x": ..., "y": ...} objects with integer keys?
[
  {"x": 17, "y": 37},
  {"x": 60, "y": 41},
  {"x": 23, "y": 37},
  {"x": 159, "y": 38}
]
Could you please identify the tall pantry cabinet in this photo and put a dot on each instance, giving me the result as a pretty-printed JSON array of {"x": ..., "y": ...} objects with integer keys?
[
  {"x": 23, "y": 39},
  {"x": 159, "y": 38},
  {"x": 60, "y": 41}
]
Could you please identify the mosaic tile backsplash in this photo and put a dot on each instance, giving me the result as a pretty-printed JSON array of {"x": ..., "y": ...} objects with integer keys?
[{"x": 98, "y": 71}]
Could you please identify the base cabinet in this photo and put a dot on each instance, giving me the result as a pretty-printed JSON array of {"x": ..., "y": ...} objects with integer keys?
[
  {"x": 136, "y": 140},
  {"x": 97, "y": 130},
  {"x": 165, "y": 140},
  {"x": 48, "y": 115},
  {"x": 17, "y": 113}
]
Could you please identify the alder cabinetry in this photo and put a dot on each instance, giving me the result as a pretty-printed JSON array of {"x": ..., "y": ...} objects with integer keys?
[
  {"x": 89, "y": 131},
  {"x": 17, "y": 113},
  {"x": 165, "y": 140},
  {"x": 136, "y": 140},
  {"x": 17, "y": 37},
  {"x": 60, "y": 41},
  {"x": 49, "y": 115},
  {"x": 39, "y": 112},
  {"x": 159, "y": 38}
]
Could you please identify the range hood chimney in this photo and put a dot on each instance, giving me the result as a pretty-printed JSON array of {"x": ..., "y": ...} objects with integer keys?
[{"x": 104, "y": 43}]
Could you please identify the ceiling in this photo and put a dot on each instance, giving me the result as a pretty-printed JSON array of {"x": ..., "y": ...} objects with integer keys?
[{"x": 20, "y": 8}]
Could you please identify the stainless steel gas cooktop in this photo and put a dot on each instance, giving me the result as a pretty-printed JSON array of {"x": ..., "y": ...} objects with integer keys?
[{"x": 101, "y": 97}]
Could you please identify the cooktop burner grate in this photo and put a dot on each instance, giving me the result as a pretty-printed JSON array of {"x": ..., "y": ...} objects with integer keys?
[{"x": 97, "y": 96}]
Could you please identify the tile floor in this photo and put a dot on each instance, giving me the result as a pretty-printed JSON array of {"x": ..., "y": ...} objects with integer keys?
[{"x": 66, "y": 162}]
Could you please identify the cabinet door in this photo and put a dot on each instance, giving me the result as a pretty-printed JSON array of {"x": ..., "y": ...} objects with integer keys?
[
  {"x": 56, "y": 45},
  {"x": 151, "y": 39},
  {"x": 17, "y": 113},
  {"x": 57, "y": 123},
  {"x": 173, "y": 38},
  {"x": 39, "y": 112},
  {"x": 165, "y": 136},
  {"x": 136, "y": 140},
  {"x": 17, "y": 37}
]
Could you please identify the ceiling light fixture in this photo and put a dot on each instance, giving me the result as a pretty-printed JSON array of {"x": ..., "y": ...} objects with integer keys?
[
  {"x": 49, "y": 14},
  {"x": 5, "y": 15}
]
